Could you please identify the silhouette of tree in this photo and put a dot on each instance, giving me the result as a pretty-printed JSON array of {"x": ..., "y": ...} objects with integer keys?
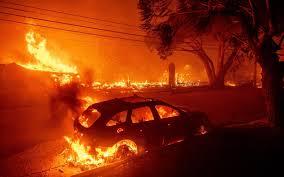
[
  {"x": 172, "y": 29},
  {"x": 260, "y": 20}
]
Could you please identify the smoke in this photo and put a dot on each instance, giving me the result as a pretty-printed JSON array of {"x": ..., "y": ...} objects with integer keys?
[{"x": 65, "y": 103}]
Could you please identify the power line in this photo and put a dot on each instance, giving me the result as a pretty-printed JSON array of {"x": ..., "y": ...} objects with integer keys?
[
  {"x": 77, "y": 19},
  {"x": 65, "y": 23},
  {"x": 74, "y": 31},
  {"x": 70, "y": 14},
  {"x": 73, "y": 24}
]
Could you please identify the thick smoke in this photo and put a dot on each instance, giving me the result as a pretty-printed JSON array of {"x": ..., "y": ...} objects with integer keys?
[{"x": 65, "y": 103}]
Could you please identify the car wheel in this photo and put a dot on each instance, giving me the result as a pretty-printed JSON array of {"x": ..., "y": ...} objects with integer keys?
[
  {"x": 124, "y": 151},
  {"x": 126, "y": 148}
]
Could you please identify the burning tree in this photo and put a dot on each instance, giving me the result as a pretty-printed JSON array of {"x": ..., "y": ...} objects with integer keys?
[
  {"x": 171, "y": 28},
  {"x": 260, "y": 22}
]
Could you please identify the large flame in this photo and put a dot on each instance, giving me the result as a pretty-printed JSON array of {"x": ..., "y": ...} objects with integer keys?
[
  {"x": 45, "y": 61},
  {"x": 81, "y": 155},
  {"x": 63, "y": 73}
]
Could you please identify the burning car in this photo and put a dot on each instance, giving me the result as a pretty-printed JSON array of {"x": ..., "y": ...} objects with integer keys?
[{"x": 149, "y": 123}]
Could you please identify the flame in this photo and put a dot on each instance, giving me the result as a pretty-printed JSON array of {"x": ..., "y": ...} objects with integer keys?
[
  {"x": 140, "y": 85},
  {"x": 63, "y": 73},
  {"x": 63, "y": 79},
  {"x": 88, "y": 120},
  {"x": 230, "y": 83},
  {"x": 88, "y": 101},
  {"x": 182, "y": 80},
  {"x": 165, "y": 112},
  {"x": 81, "y": 155},
  {"x": 45, "y": 61}
]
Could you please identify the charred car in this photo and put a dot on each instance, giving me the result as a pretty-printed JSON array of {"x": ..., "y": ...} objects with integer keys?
[{"x": 148, "y": 122}]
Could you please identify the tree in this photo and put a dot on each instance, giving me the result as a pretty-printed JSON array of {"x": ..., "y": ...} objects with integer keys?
[
  {"x": 170, "y": 30},
  {"x": 261, "y": 21}
]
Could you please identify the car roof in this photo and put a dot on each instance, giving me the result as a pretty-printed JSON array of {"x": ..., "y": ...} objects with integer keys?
[{"x": 119, "y": 104}]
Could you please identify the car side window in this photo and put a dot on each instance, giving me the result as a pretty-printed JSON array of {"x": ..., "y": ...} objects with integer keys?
[
  {"x": 166, "y": 111},
  {"x": 142, "y": 114},
  {"x": 89, "y": 117},
  {"x": 117, "y": 119}
]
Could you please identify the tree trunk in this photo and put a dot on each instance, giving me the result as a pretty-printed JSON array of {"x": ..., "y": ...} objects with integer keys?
[
  {"x": 208, "y": 65},
  {"x": 254, "y": 73},
  {"x": 219, "y": 81},
  {"x": 273, "y": 96},
  {"x": 271, "y": 82},
  {"x": 224, "y": 67},
  {"x": 209, "y": 72}
]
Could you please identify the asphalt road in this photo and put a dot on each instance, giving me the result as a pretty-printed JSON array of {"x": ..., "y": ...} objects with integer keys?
[
  {"x": 27, "y": 119},
  {"x": 230, "y": 152}
]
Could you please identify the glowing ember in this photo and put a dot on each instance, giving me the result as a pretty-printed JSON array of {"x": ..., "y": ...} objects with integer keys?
[
  {"x": 230, "y": 83},
  {"x": 140, "y": 85},
  {"x": 63, "y": 79},
  {"x": 45, "y": 61},
  {"x": 81, "y": 155}
]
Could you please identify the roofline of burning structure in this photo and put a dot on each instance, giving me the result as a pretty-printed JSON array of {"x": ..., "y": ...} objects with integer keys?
[{"x": 41, "y": 71}]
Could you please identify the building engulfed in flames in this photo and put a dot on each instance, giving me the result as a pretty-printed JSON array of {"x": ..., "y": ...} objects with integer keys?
[{"x": 62, "y": 73}]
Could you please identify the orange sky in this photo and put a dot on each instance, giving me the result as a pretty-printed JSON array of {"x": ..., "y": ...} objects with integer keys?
[{"x": 109, "y": 59}]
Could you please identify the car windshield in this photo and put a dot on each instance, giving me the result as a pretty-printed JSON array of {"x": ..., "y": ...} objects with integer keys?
[{"x": 89, "y": 117}]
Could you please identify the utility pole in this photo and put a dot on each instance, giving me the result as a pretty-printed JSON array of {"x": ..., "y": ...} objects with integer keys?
[
  {"x": 254, "y": 73},
  {"x": 172, "y": 79}
]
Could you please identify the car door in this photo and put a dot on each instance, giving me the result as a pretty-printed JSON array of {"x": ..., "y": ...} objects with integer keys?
[
  {"x": 116, "y": 127},
  {"x": 171, "y": 123},
  {"x": 145, "y": 127}
]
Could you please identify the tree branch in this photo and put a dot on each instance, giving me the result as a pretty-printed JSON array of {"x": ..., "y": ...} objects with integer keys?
[
  {"x": 205, "y": 57},
  {"x": 187, "y": 50},
  {"x": 252, "y": 12},
  {"x": 269, "y": 20},
  {"x": 230, "y": 60}
]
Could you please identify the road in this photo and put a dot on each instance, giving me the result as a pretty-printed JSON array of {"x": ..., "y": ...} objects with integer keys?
[{"x": 26, "y": 120}]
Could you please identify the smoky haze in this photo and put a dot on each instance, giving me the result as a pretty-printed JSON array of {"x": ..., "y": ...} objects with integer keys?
[{"x": 104, "y": 59}]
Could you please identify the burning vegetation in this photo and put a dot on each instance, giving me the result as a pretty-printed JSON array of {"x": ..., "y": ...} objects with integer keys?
[{"x": 63, "y": 73}]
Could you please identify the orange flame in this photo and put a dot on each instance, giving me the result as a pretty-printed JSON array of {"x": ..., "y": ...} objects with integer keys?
[
  {"x": 81, "y": 155},
  {"x": 45, "y": 61},
  {"x": 88, "y": 101},
  {"x": 166, "y": 111}
]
